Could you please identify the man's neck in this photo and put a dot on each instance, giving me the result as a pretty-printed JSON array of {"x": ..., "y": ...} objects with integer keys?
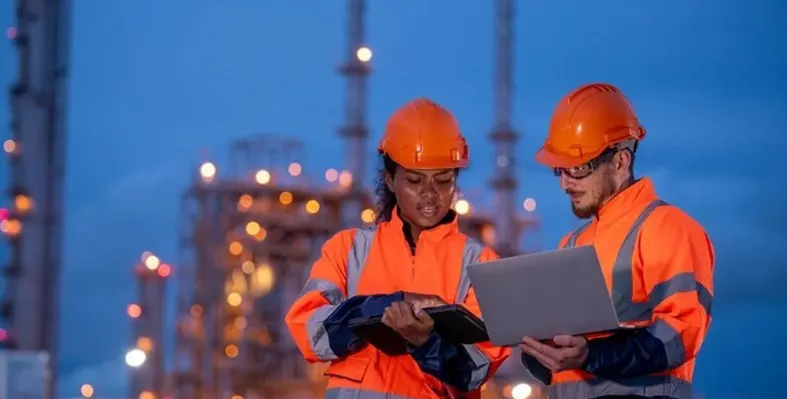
[
  {"x": 625, "y": 184},
  {"x": 621, "y": 187}
]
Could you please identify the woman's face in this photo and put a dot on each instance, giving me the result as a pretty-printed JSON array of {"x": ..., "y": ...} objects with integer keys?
[{"x": 424, "y": 196}]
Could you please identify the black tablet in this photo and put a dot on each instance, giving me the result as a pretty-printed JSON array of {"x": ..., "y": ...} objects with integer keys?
[
  {"x": 453, "y": 323},
  {"x": 456, "y": 324},
  {"x": 372, "y": 330}
]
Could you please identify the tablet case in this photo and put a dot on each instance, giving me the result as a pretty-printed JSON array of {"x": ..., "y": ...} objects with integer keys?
[{"x": 453, "y": 323}]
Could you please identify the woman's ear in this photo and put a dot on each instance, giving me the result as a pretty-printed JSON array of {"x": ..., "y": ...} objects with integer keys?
[{"x": 389, "y": 182}]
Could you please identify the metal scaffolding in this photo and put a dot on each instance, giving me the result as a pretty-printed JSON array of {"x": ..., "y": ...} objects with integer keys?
[{"x": 248, "y": 243}]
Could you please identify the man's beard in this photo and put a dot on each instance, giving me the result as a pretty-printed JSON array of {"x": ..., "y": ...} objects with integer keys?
[{"x": 605, "y": 190}]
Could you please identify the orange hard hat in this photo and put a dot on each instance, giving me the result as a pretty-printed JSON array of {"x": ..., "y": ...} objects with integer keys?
[
  {"x": 423, "y": 135},
  {"x": 587, "y": 121}
]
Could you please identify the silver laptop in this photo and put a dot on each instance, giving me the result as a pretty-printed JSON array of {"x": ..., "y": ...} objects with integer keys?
[{"x": 543, "y": 294}]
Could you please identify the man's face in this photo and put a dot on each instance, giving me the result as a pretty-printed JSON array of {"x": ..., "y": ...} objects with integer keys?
[{"x": 589, "y": 193}]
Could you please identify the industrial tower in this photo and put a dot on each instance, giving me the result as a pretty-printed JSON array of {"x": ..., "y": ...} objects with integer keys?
[
  {"x": 148, "y": 328},
  {"x": 503, "y": 135},
  {"x": 503, "y": 228},
  {"x": 36, "y": 152},
  {"x": 356, "y": 70}
]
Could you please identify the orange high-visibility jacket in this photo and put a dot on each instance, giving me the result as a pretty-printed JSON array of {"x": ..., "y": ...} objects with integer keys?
[
  {"x": 361, "y": 272},
  {"x": 658, "y": 265}
]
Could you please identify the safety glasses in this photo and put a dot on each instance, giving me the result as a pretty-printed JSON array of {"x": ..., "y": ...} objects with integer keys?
[{"x": 583, "y": 171}]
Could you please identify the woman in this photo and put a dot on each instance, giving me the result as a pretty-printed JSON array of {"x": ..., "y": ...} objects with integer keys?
[{"x": 414, "y": 258}]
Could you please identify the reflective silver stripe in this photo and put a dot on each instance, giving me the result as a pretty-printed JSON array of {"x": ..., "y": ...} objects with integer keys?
[
  {"x": 329, "y": 290},
  {"x": 673, "y": 343},
  {"x": 681, "y": 282},
  {"x": 314, "y": 326},
  {"x": 650, "y": 386},
  {"x": 470, "y": 254},
  {"x": 572, "y": 239},
  {"x": 622, "y": 292},
  {"x": 481, "y": 370},
  {"x": 356, "y": 259},
  {"x": 705, "y": 297},
  {"x": 357, "y": 393},
  {"x": 622, "y": 278},
  {"x": 315, "y": 329}
]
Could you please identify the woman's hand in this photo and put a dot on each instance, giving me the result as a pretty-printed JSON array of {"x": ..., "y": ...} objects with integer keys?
[
  {"x": 414, "y": 326},
  {"x": 422, "y": 301}
]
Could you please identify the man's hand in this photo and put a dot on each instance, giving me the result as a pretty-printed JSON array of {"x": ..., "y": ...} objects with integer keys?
[
  {"x": 414, "y": 326},
  {"x": 422, "y": 301},
  {"x": 568, "y": 352}
]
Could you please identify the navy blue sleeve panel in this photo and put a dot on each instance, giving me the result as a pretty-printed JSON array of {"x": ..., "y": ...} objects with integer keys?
[
  {"x": 626, "y": 354},
  {"x": 341, "y": 338},
  {"x": 536, "y": 369},
  {"x": 449, "y": 363}
]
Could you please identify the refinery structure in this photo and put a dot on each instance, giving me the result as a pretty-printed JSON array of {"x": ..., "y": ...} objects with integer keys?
[{"x": 250, "y": 230}]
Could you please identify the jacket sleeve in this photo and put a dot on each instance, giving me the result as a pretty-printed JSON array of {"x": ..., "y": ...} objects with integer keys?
[
  {"x": 463, "y": 368},
  {"x": 677, "y": 265},
  {"x": 318, "y": 320}
]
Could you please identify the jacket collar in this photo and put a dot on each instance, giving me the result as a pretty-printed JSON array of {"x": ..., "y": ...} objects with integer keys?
[
  {"x": 446, "y": 228},
  {"x": 632, "y": 198}
]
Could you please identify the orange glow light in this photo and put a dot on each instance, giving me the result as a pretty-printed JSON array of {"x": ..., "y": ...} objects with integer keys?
[
  {"x": 244, "y": 202},
  {"x": 196, "y": 310},
  {"x": 231, "y": 350},
  {"x": 164, "y": 270},
  {"x": 235, "y": 248},
  {"x": 134, "y": 310}
]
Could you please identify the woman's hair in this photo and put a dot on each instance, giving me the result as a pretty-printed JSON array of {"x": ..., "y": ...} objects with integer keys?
[{"x": 386, "y": 199}]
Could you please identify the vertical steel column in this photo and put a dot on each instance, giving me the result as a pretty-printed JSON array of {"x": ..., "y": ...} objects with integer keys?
[
  {"x": 503, "y": 135},
  {"x": 37, "y": 150},
  {"x": 149, "y": 326},
  {"x": 356, "y": 71}
]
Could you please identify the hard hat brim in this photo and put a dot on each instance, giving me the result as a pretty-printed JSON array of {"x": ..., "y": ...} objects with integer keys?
[
  {"x": 552, "y": 160},
  {"x": 426, "y": 164}
]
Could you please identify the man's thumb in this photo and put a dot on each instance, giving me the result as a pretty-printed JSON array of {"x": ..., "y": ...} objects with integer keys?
[{"x": 564, "y": 340}]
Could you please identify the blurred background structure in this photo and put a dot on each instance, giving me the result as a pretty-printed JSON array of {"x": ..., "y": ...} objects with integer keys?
[
  {"x": 248, "y": 238},
  {"x": 247, "y": 224},
  {"x": 30, "y": 301},
  {"x": 251, "y": 232}
]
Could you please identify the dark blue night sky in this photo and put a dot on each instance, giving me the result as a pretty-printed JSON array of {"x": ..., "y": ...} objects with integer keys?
[{"x": 155, "y": 85}]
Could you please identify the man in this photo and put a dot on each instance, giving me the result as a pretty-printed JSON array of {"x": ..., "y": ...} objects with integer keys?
[{"x": 657, "y": 261}]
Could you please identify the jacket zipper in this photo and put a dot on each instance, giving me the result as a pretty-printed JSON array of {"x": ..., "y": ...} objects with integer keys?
[{"x": 413, "y": 258}]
